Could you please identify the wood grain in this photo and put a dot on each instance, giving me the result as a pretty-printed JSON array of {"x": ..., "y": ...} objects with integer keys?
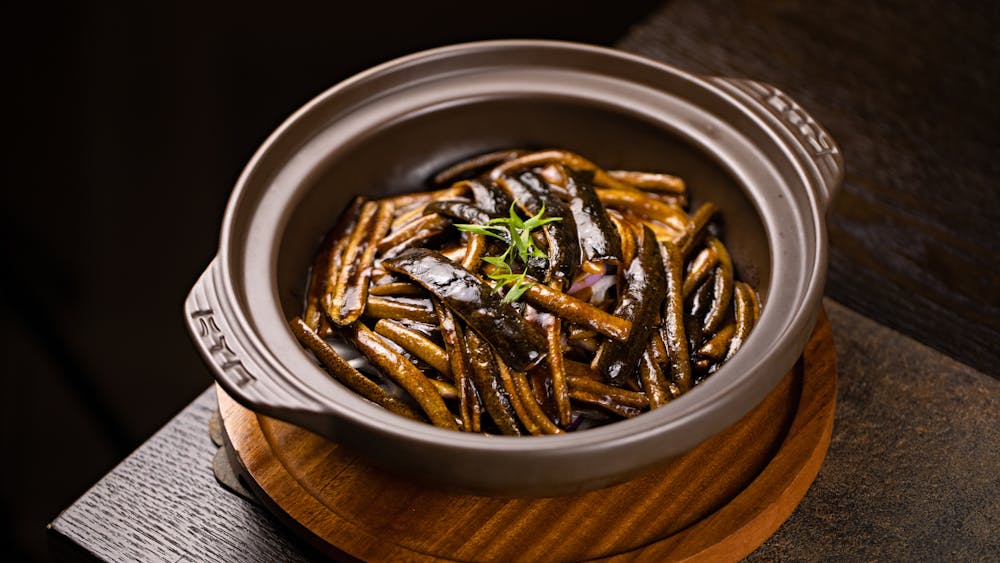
[
  {"x": 906, "y": 90},
  {"x": 723, "y": 498},
  {"x": 162, "y": 504},
  {"x": 910, "y": 475}
]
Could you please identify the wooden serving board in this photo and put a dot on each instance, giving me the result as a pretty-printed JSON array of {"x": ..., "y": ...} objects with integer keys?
[{"x": 718, "y": 502}]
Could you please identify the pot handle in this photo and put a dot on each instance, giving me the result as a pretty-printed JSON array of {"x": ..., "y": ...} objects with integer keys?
[
  {"x": 811, "y": 137},
  {"x": 225, "y": 349}
]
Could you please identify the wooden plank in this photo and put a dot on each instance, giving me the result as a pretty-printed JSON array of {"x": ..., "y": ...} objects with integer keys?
[
  {"x": 163, "y": 504},
  {"x": 725, "y": 497},
  {"x": 903, "y": 89},
  {"x": 910, "y": 474}
]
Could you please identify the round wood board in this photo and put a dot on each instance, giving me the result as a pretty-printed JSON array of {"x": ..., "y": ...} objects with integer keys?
[{"x": 718, "y": 502}]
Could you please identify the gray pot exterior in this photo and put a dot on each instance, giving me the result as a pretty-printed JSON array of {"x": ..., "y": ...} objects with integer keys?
[{"x": 742, "y": 144}]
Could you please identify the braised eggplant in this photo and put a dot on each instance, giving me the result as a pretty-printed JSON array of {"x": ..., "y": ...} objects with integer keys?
[
  {"x": 531, "y": 193},
  {"x": 530, "y": 293},
  {"x": 521, "y": 344},
  {"x": 639, "y": 303},
  {"x": 599, "y": 242}
]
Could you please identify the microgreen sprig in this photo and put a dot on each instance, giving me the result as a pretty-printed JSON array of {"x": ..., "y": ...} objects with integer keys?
[{"x": 517, "y": 233}]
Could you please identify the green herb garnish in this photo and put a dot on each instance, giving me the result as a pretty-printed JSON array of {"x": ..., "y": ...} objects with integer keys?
[{"x": 517, "y": 233}]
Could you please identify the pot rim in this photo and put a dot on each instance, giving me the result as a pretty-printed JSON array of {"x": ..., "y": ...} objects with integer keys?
[{"x": 730, "y": 398}]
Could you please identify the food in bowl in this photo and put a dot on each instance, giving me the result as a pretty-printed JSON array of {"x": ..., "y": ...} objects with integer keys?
[
  {"x": 528, "y": 293},
  {"x": 747, "y": 147}
]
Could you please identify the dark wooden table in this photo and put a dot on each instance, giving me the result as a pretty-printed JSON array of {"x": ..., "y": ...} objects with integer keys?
[
  {"x": 911, "y": 474},
  {"x": 913, "y": 471}
]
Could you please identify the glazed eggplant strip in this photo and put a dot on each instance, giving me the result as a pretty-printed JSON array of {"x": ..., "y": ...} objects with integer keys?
[
  {"x": 723, "y": 290},
  {"x": 598, "y": 239},
  {"x": 416, "y": 343},
  {"x": 651, "y": 181},
  {"x": 469, "y": 166},
  {"x": 639, "y": 304},
  {"x": 653, "y": 381},
  {"x": 626, "y": 236},
  {"x": 456, "y": 209},
  {"x": 403, "y": 373},
  {"x": 700, "y": 268},
  {"x": 420, "y": 198},
  {"x": 521, "y": 344},
  {"x": 641, "y": 204},
  {"x": 672, "y": 329},
  {"x": 699, "y": 222},
  {"x": 396, "y": 289},
  {"x": 349, "y": 295},
  {"x": 568, "y": 159},
  {"x": 461, "y": 371},
  {"x": 533, "y": 195},
  {"x": 557, "y": 371},
  {"x": 490, "y": 198},
  {"x": 328, "y": 262},
  {"x": 413, "y": 234},
  {"x": 532, "y": 293},
  {"x": 532, "y": 409},
  {"x": 576, "y": 311},
  {"x": 346, "y": 374},
  {"x": 744, "y": 312},
  {"x": 715, "y": 348},
  {"x": 400, "y": 308},
  {"x": 487, "y": 380}
]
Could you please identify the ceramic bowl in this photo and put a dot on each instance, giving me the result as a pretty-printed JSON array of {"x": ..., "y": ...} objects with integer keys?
[{"x": 742, "y": 144}]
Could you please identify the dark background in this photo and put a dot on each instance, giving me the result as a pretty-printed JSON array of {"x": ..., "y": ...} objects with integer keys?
[{"x": 129, "y": 125}]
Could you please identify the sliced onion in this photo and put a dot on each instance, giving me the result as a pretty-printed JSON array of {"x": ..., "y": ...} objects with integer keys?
[
  {"x": 584, "y": 282},
  {"x": 600, "y": 289}
]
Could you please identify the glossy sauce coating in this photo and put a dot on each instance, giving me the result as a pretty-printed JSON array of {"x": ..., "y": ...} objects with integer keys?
[
  {"x": 519, "y": 343},
  {"x": 644, "y": 288},
  {"x": 535, "y": 294}
]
